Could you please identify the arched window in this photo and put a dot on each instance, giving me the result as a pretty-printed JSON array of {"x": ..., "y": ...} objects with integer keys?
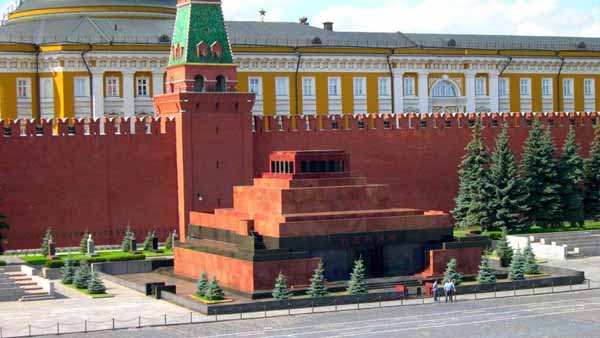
[
  {"x": 444, "y": 88},
  {"x": 199, "y": 83},
  {"x": 221, "y": 83}
]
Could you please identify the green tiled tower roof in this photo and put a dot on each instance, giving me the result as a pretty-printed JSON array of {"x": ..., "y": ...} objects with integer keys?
[{"x": 199, "y": 22}]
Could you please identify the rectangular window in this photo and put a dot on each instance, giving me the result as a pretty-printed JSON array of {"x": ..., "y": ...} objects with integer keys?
[
  {"x": 47, "y": 88},
  {"x": 409, "y": 86},
  {"x": 525, "y": 89},
  {"x": 334, "y": 87},
  {"x": 360, "y": 87},
  {"x": 384, "y": 87},
  {"x": 547, "y": 87},
  {"x": 255, "y": 85},
  {"x": 589, "y": 87},
  {"x": 142, "y": 87},
  {"x": 112, "y": 87},
  {"x": 503, "y": 87},
  {"x": 282, "y": 86},
  {"x": 23, "y": 88},
  {"x": 480, "y": 86},
  {"x": 308, "y": 86},
  {"x": 81, "y": 87},
  {"x": 567, "y": 87}
]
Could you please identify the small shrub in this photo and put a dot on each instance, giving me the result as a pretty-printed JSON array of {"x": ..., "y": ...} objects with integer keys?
[
  {"x": 125, "y": 244},
  {"x": 82, "y": 276},
  {"x": 169, "y": 241},
  {"x": 83, "y": 243},
  {"x": 214, "y": 291},
  {"x": 202, "y": 284},
  {"x": 504, "y": 250},
  {"x": 452, "y": 273},
  {"x": 54, "y": 264},
  {"x": 47, "y": 238},
  {"x": 281, "y": 291},
  {"x": 2, "y": 263},
  {"x": 516, "y": 271},
  {"x": 358, "y": 280},
  {"x": 96, "y": 286},
  {"x": 68, "y": 271},
  {"x": 317, "y": 287},
  {"x": 148, "y": 241},
  {"x": 486, "y": 273}
]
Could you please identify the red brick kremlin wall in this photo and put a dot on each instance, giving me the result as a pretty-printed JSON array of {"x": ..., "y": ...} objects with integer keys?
[
  {"x": 417, "y": 159},
  {"x": 102, "y": 183}
]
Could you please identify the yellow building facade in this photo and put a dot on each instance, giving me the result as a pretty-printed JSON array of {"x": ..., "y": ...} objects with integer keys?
[{"x": 70, "y": 59}]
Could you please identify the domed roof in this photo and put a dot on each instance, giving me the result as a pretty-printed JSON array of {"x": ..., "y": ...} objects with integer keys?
[{"x": 29, "y": 5}]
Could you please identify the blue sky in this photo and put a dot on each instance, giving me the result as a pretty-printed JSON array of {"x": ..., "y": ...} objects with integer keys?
[{"x": 523, "y": 17}]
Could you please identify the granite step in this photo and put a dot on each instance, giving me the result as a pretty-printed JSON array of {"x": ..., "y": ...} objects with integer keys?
[{"x": 36, "y": 298}]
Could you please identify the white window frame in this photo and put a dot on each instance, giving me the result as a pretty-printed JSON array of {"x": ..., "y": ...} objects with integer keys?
[
  {"x": 334, "y": 87},
  {"x": 112, "y": 89},
  {"x": 409, "y": 86},
  {"x": 568, "y": 88},
  {"x": 282, "y": 86},
  {"x": 77, "y": 81},
  {"x": 258, "y": 90},
  {"x": 359, "y": 87},
  {"x": 47, "y": 93},
  {"x": 384, "y": 87},
  {"x": 525, "y": 83},
  {"x": 308, "y": 87},
  {"x": 547, "y": 87},
  {"x": 480, "y": 86},
  {"x": 503, "y": 87},
  {"x": 589, "y": 88},
  {"x": 26, "y": 82},
  {"x": 142, "y": 86}
]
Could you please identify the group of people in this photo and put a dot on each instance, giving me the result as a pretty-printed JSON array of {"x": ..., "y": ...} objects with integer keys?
[{"x": 449, "y": 290}]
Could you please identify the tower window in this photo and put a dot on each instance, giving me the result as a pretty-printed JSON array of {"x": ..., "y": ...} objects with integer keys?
[
  {"x": 199, "y": 83},
  {"x": 221, "y": 83}
]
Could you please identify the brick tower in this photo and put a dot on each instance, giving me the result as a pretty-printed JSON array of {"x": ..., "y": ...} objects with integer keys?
[{"x": 213, "y": 121}]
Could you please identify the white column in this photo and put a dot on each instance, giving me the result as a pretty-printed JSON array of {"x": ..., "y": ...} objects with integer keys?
[
  {"x": 128, "y": 94},
  {"x": 98, "y": 94},
  {"x": 494, "y": 102},
  {"x": 470, "y": 91},
  {"x": 398, "y": 92},
  {"x": 423, "y": 92},
  {"x": 158, "y": 83}
]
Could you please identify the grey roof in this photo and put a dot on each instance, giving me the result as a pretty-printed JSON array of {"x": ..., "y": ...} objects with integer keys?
[
  {"x": 27, "y": 5},
  {"x": 78, "y": 28}
]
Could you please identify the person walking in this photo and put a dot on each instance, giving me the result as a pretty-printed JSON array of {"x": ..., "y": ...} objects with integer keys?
[
  {"x": 449, "y": 289},
  {"x": 435, "y": 290}
]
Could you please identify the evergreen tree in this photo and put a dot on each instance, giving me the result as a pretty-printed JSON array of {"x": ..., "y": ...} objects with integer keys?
[
  {"x": 516, "y": 271},
  {"x": 82, "y": 276},
  {"x": 148, "y": 241},
  {"x": 592, "y": 179},
  {"x": 202, "y": 284},
  {"x": 358, "y": 281},
  {"x": 68, "y": 271},
  {"x": 317, "y": 286},
  {"x": 507, "y": 202},
  {"x": 451, "y": 273},
  {"x": 540, "y": 178},
  {"x": 473, "y": 199},
  {"x": 45, "y": 250},
  {"x": 486, "y": 273},
  {"x": 281, "y": 291},
  {"x": 571, "y": 176},
  {"x": 96, "y": 286},
  {"x": 531, "y": 266},
  {"x": 126, "y": 244},
  {"x": 504, "y": 250},
  {"x": 83, "y": 243},
  {"x": 214, "y": 291},
  {"x": 169, "y": 241}
]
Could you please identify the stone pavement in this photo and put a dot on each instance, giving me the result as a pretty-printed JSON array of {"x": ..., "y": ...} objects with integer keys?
[{"x": 72, "y": 309}]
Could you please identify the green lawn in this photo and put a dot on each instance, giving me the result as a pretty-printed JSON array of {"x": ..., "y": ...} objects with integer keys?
[
  {"x": 589, "y": 225},
  {"x": 107, "y": 255}
]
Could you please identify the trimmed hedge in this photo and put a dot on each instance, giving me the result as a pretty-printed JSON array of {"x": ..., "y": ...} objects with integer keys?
[
  {"x": 58, "y": 263},
  {"x": 2, "y": 263}
]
